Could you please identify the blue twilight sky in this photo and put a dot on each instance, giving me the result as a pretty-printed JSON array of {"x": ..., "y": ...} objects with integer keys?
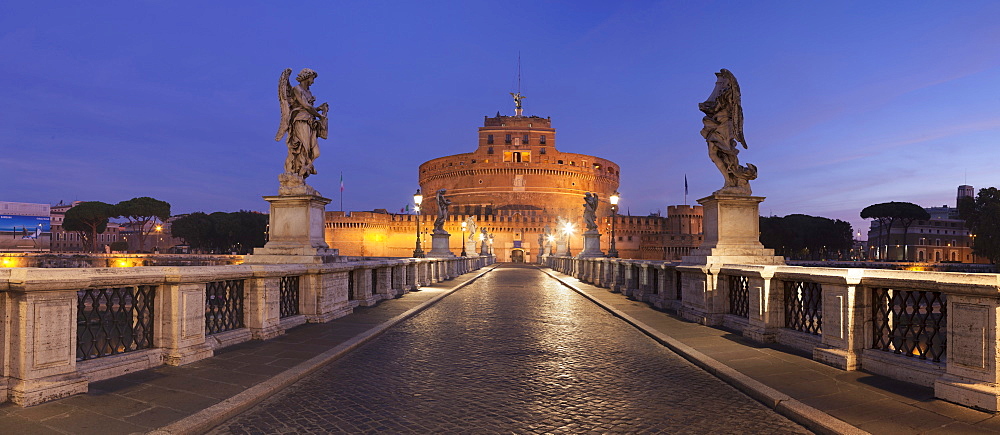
[{"x": 846, "y": 103}]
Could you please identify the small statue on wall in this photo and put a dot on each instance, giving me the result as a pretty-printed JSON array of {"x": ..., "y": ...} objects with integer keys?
[
  {"x": 590, "y": 203},
  {"x": 470, "y": 225},
  {"x": 442, "y": 217}
]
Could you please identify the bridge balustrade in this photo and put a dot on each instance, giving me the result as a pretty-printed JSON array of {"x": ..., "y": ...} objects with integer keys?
[
  {"x": 65, "y": 328},
  {"x": 900, "y": 324}
]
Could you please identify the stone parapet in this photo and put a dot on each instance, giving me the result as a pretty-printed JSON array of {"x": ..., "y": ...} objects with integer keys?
[
  {"x": 931, "y": 328},
  {"x": 55, "y": 330}
]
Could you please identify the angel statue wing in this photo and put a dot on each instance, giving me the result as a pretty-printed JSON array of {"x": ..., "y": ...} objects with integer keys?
[
  {"x": 284, "y": 94},
  {"x": 736, "y": 107}
]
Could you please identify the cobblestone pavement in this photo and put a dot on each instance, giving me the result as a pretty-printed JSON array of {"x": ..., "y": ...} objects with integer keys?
[{"x": 515, "y": 352}]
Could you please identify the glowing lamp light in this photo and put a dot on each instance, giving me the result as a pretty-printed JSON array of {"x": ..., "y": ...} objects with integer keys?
[
  {"x": 418, "y": 198},
  {"x": 567, "y": 228},
  {"x": 614, "y": 198}
]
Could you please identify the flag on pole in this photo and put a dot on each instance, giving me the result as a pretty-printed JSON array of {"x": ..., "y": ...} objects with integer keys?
[
  {"x": 685, "y": 184},
  {"x": 341, "y": 181}
]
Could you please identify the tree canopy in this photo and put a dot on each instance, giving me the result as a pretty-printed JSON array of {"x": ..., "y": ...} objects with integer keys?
[
  {"x": 983, "y": 218},
  {"x": 88, "y": 219},
  {"x": 141, "y": 212},
  {"x": 891, "y": 213},
  {"x": 804, "y": 237},
  {"x": 222, "y": 232}
]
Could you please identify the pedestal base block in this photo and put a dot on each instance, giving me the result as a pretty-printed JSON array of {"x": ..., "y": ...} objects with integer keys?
[
  {"x": 296, "y": 231},
  {"x": 732, "y": 233},
  {"x": 591, "y": 245},
  {"x": 439, "y": 246}
]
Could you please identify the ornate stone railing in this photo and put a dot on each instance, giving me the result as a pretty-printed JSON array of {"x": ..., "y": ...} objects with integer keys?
[
  {"x": 936, "y": 329},
  {"x": 64, "y": 328}
]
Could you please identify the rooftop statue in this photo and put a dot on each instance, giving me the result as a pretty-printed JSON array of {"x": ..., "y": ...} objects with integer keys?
[
  {"x": 590, "y": 202},
  {"x": 442, "y": 216},
  {"x": 723, "y": 130},
  {"x": 304, "y": 125}
]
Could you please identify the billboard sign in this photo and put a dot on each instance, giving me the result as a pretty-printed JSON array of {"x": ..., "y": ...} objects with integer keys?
[{"x": 20, "y": 224}]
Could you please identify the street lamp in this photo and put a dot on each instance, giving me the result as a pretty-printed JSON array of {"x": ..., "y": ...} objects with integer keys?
[
  {"x": 552, "y": 244},
  {"x": 464, "y": 224},
  {"x": 568, "y": 232},
  {"x": 417, "y": 200},
  {"x": 613, "y": 253}
]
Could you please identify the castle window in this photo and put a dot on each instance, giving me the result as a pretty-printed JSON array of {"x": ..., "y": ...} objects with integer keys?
[
  {"x": 518, "y": 156},
  {"x": 541, "y": 139},
  {"x": 597, "y": 166},
  {"x": 489, "y": 150},
  {"x": 572, "y": 163},
  {"x": 473, "y": 160},
  {"x": 507, "y": 140},
  {"x": 524, "y": 139},
  {"x": 489, "y": 139},
  {"x": 559, "y": 162},
  {"x": 541, "y": 150}
]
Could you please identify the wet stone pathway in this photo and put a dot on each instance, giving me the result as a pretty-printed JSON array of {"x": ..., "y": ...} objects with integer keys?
[{"x": 514, "y": 352}]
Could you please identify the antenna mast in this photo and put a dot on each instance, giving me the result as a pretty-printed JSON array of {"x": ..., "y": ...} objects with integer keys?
[{"x": 517, "y": 96}]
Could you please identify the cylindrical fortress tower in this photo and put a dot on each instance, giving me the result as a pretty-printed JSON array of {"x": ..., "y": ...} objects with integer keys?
[{"x": 517, "y": 169}]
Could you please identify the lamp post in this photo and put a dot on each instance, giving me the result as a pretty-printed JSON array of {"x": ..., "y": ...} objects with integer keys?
[
  {"x": 464, "y": 224},
  {"x": 613, "y": 253},
  {"x": 568, "y": 232},
  {"x": 417, "y": 200}
]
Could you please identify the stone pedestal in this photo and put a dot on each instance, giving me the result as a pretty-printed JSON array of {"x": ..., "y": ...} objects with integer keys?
[
  {"x": 470, "y": 248},
  {"x": 439, "y": 246},
  {"x": 732, "y": 233},
  {"x": 591, "y": 245},
  {"x": 561, "y": 247},
  {"x": 296, "y": 230}
]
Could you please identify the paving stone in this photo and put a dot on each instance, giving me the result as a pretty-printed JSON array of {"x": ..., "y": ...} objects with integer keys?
[{"x": 514, "y": 352}]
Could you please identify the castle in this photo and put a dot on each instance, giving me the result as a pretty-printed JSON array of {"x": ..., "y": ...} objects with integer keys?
[{"x": 514, "y": 184}]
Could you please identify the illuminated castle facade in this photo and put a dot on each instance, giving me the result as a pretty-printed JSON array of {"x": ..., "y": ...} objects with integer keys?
[{"x": 515, "y": 183}]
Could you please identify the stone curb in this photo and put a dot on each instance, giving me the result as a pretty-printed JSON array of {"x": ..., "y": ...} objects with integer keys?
[
  {"x": 812, "y": 418},
  {"x": 210, "y": 417}
]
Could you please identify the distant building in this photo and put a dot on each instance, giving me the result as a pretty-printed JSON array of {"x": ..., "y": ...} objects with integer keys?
[
  {"x": 942, "y": 238},
  {"x": 514, "y": 184}
]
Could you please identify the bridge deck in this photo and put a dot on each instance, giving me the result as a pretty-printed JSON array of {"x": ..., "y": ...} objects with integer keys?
[{"x": 559, "y": 357}]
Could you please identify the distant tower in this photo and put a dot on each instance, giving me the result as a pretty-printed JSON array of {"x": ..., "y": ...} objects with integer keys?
[{"x": 965, "y": 191}]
